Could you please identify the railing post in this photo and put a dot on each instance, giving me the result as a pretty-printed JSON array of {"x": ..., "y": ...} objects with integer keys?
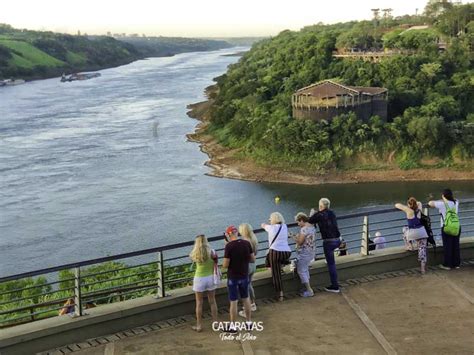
[
  {"x": 364, "y": 246},
  {"x": 161, "y": 276},
  {"x": 77, "y": 292},
  {"x": 32, "y": 313}
]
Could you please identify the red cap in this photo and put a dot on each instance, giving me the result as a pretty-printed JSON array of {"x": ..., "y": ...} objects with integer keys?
[{"x": 231, "y": 229}]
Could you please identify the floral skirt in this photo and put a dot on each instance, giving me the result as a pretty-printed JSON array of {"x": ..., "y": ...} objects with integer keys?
[{"x": 422, "y": 256}]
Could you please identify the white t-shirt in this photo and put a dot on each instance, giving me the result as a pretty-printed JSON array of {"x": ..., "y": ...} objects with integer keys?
[
  {"x": 281, "y": 242},
  {"x": 442, "y": 208},
  {"x": 379, "y": 243}
]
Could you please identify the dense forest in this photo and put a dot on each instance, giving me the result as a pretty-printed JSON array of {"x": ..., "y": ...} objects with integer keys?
[
  {"x": 34, "y": 54},
  {"x": 429, "y": 75},
  {"x": 168, "y": 46}
]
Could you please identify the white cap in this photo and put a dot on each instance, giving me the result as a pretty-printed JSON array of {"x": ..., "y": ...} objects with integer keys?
[{"x": 378, "y": 234}]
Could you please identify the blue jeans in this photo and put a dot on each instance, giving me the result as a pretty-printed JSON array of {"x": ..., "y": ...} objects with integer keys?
[
  {"x": 302, "y": 265},
  {"x": 329, "y": 246},
  {"x": 238, "y": 287}
]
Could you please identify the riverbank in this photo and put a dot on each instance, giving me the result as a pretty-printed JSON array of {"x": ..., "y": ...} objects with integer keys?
[
  {"x": 33, "y": 55},
  {"x": 228, "y": 163}
]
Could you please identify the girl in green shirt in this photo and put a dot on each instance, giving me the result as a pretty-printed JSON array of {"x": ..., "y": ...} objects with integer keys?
[{"x": 205, "y": 258}]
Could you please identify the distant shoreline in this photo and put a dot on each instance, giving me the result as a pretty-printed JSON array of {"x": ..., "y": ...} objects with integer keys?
[
  {"x": 57, "y": 73},
  {"x": 225, "y": 162}
]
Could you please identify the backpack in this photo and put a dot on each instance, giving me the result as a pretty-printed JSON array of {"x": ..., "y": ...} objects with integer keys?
[
  {"x": 426, "y": 222},
  {"x": 451, "y": 226}
]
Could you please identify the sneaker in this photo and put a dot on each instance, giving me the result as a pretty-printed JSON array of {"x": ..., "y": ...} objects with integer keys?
[
  {"x": 253, "y": 308},
  {"x": 307, "y": 294},
  {"x": 441, "y": 266},
  {"x": 457, "y": 267},
  {"x": 334, "y": 289}
]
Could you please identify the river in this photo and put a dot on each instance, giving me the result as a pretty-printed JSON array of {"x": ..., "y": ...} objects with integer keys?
[{"x": 83, "y": 174}]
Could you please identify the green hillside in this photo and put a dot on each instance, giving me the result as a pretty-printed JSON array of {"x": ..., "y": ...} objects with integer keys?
[
  {"x": 430, "y": 107},
  {"x": 167, "y": 46},
  {"x": 33, "y": 54},
  {"x": 26, "y": 55}
]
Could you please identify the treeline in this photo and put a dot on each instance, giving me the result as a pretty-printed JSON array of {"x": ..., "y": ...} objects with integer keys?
[
  {"x": 431, "y": 111},
  {"x": 109, "y": 282},
  {"x": 168, "y": 46},
  {"x": 34, "y": 54}
]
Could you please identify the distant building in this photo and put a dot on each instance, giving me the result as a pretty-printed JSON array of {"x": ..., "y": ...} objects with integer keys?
[{"x": 327, "y": 99}]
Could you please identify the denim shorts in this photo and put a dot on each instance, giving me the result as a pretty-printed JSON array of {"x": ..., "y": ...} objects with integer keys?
[{"x": 238, "y": 287}]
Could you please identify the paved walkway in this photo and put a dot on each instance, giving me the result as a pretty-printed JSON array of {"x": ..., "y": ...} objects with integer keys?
[{"x": 401, "y": 312}]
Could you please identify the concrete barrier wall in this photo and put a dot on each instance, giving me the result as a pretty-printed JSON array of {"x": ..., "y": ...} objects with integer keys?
[{"x": 107, "y": 319}]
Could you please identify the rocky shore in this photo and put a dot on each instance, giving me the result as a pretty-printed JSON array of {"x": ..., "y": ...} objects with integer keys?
[{"x": 227, "y": 163}]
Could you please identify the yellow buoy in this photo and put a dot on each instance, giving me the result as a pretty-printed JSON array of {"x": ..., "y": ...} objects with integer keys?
[{"x": 277, "y": 200}]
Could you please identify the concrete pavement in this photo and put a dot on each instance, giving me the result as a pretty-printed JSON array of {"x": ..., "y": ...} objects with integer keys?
[{"x": 407, "y": 314}]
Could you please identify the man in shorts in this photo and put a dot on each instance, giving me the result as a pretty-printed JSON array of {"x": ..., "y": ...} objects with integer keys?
[{"x": 237, "y": 256}]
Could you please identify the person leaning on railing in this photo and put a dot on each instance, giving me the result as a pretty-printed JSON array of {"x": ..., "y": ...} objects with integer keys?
[
  {"x": 327, "y": 223},
  {"x": 416, "y": 231},
  {"x": 451, "y": 249},
  {"x": 205, "y": 258},
  {"x": 246, "y": 231},
  {"x": 279, "y": 251},
  {"x": 304, "y": 252}
]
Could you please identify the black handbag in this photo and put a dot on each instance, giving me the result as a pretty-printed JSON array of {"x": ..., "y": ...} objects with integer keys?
[
  {"x": 267, "y": 258},
  {"x": 426, "y": 222}
]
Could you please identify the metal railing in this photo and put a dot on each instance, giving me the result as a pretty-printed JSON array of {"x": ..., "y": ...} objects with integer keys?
[{"x": 43, "y": 293}]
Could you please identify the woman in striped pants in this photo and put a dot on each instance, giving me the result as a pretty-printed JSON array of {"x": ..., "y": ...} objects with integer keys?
[{"x": 279, "y": 251}]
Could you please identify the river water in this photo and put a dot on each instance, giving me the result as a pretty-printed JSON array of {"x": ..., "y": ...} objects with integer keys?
[{"x": 83, "y": 175}]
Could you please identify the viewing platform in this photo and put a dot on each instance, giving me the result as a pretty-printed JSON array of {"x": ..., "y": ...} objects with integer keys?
[
  {"x": 326, "y": 99},
  {"x": 399, "y": 312},
  {"x": 145, "y": 303},
  {"x": 374, "y": 57}
]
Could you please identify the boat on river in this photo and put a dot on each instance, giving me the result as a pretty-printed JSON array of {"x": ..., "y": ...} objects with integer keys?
[
  {"x": 11, "y": 82},
  {"x": 79, "y": 76}
]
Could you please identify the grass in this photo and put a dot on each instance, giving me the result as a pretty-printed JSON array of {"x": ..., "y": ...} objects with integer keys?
[
  {"x": 28, "y": 56},
  {"x": 76, "y": 58},
  {"x": 109, "y": 275},
  {"x": 21, "y": 62}
]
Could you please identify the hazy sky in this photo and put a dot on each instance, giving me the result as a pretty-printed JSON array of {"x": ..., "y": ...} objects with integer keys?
[{"x": 190, "y": 17}]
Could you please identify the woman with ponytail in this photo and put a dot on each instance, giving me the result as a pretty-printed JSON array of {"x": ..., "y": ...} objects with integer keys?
[{"x": 451, "y": 249}]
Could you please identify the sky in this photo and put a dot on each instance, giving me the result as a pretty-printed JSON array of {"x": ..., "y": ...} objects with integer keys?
[{"x": 197, "y": 18}]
